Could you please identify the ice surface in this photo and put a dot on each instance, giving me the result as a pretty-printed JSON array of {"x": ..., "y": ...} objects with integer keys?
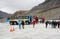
[{"x": 39, "y": 32}]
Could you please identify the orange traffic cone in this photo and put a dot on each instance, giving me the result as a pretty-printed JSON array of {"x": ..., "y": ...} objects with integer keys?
[{"x": 12, "y": 29}]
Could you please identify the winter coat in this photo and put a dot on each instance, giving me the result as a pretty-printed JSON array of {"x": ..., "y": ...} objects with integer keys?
[
  {"x": 19, "y": 23},
  {"x": 33, "y": 22},
  {"x": 22, "y": 23}
]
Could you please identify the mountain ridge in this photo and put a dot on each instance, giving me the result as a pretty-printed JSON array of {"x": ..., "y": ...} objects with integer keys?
[
  {"x": 46, "y": 7},
  {"x": 4, "y": 14}
]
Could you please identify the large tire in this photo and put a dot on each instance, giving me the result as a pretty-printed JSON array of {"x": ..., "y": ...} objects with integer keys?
[
  {"x": 13, "y": 23},
  {"x": 27, "y": 22}
]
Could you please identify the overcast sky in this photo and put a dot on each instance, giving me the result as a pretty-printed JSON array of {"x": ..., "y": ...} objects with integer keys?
[{"x": 10, "y": 6}]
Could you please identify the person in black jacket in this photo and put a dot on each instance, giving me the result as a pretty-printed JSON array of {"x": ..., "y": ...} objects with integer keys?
[
  {"x": 58, "y": 24},
  {"x": 54, "y": 24},
  {"x": 46, "y": 23},
  {"x": 22, "y": 23}
]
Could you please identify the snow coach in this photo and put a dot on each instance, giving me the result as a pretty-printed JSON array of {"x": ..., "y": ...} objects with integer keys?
[{"x": 27, "y": 20}]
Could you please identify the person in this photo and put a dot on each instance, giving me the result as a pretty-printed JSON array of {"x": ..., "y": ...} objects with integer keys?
[
  {"x": 43, "y": 20},
  {"x": 36, "y": 19},
  {"x": 58, "y": 24},
  {"x": 54, "y": 24},
  {"x": 33, "y": 22},
  {"x": 46, "y": 23},
  {"x": 22, "y": 23},
  {"x": 19, "y": 23}
]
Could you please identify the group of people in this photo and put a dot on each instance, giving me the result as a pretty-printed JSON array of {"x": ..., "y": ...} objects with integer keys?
[
  {"x": 21, "y": 23},
  {"x": 53, "y": 23},
  {"x": 35, "y": 21}
]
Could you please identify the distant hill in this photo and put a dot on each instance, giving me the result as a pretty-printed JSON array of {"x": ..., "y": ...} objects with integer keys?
[
  {"x": 4, "y": 14},
  {"x": 19, "y": 13},
  {"x": 50, "y": 9}
]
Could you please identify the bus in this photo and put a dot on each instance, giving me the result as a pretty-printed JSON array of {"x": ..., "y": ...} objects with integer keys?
[{"x": 27, "y": 20}]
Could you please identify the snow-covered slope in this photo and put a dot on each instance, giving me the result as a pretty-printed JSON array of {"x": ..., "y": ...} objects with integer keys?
[{"x": 39, "y": 32}]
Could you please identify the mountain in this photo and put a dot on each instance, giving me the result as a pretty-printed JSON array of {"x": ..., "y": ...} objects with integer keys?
[
  {"x": 50, "y": 9},
  {"x": 19, "y": 13},
  {"x": 3, "y": 14}
]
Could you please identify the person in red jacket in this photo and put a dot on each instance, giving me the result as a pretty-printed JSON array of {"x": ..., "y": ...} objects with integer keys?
[
  {"x": 33, "y": 22},
  {"x": 43, "y": 20},
  {"x": 36, "y": 19}
]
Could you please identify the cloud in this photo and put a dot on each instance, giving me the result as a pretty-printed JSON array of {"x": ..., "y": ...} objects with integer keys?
[
  {"x": 8, "y": 10},
  {"x": 12, "y": 5}
]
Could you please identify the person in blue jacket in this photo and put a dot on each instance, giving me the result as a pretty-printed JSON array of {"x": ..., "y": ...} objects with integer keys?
[{"x": 19, "y": 23}]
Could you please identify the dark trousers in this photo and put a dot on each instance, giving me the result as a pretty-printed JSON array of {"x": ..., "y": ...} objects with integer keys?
[
  {"x": 23, "y": 26},
  {"x": 58, "y": 26}
]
